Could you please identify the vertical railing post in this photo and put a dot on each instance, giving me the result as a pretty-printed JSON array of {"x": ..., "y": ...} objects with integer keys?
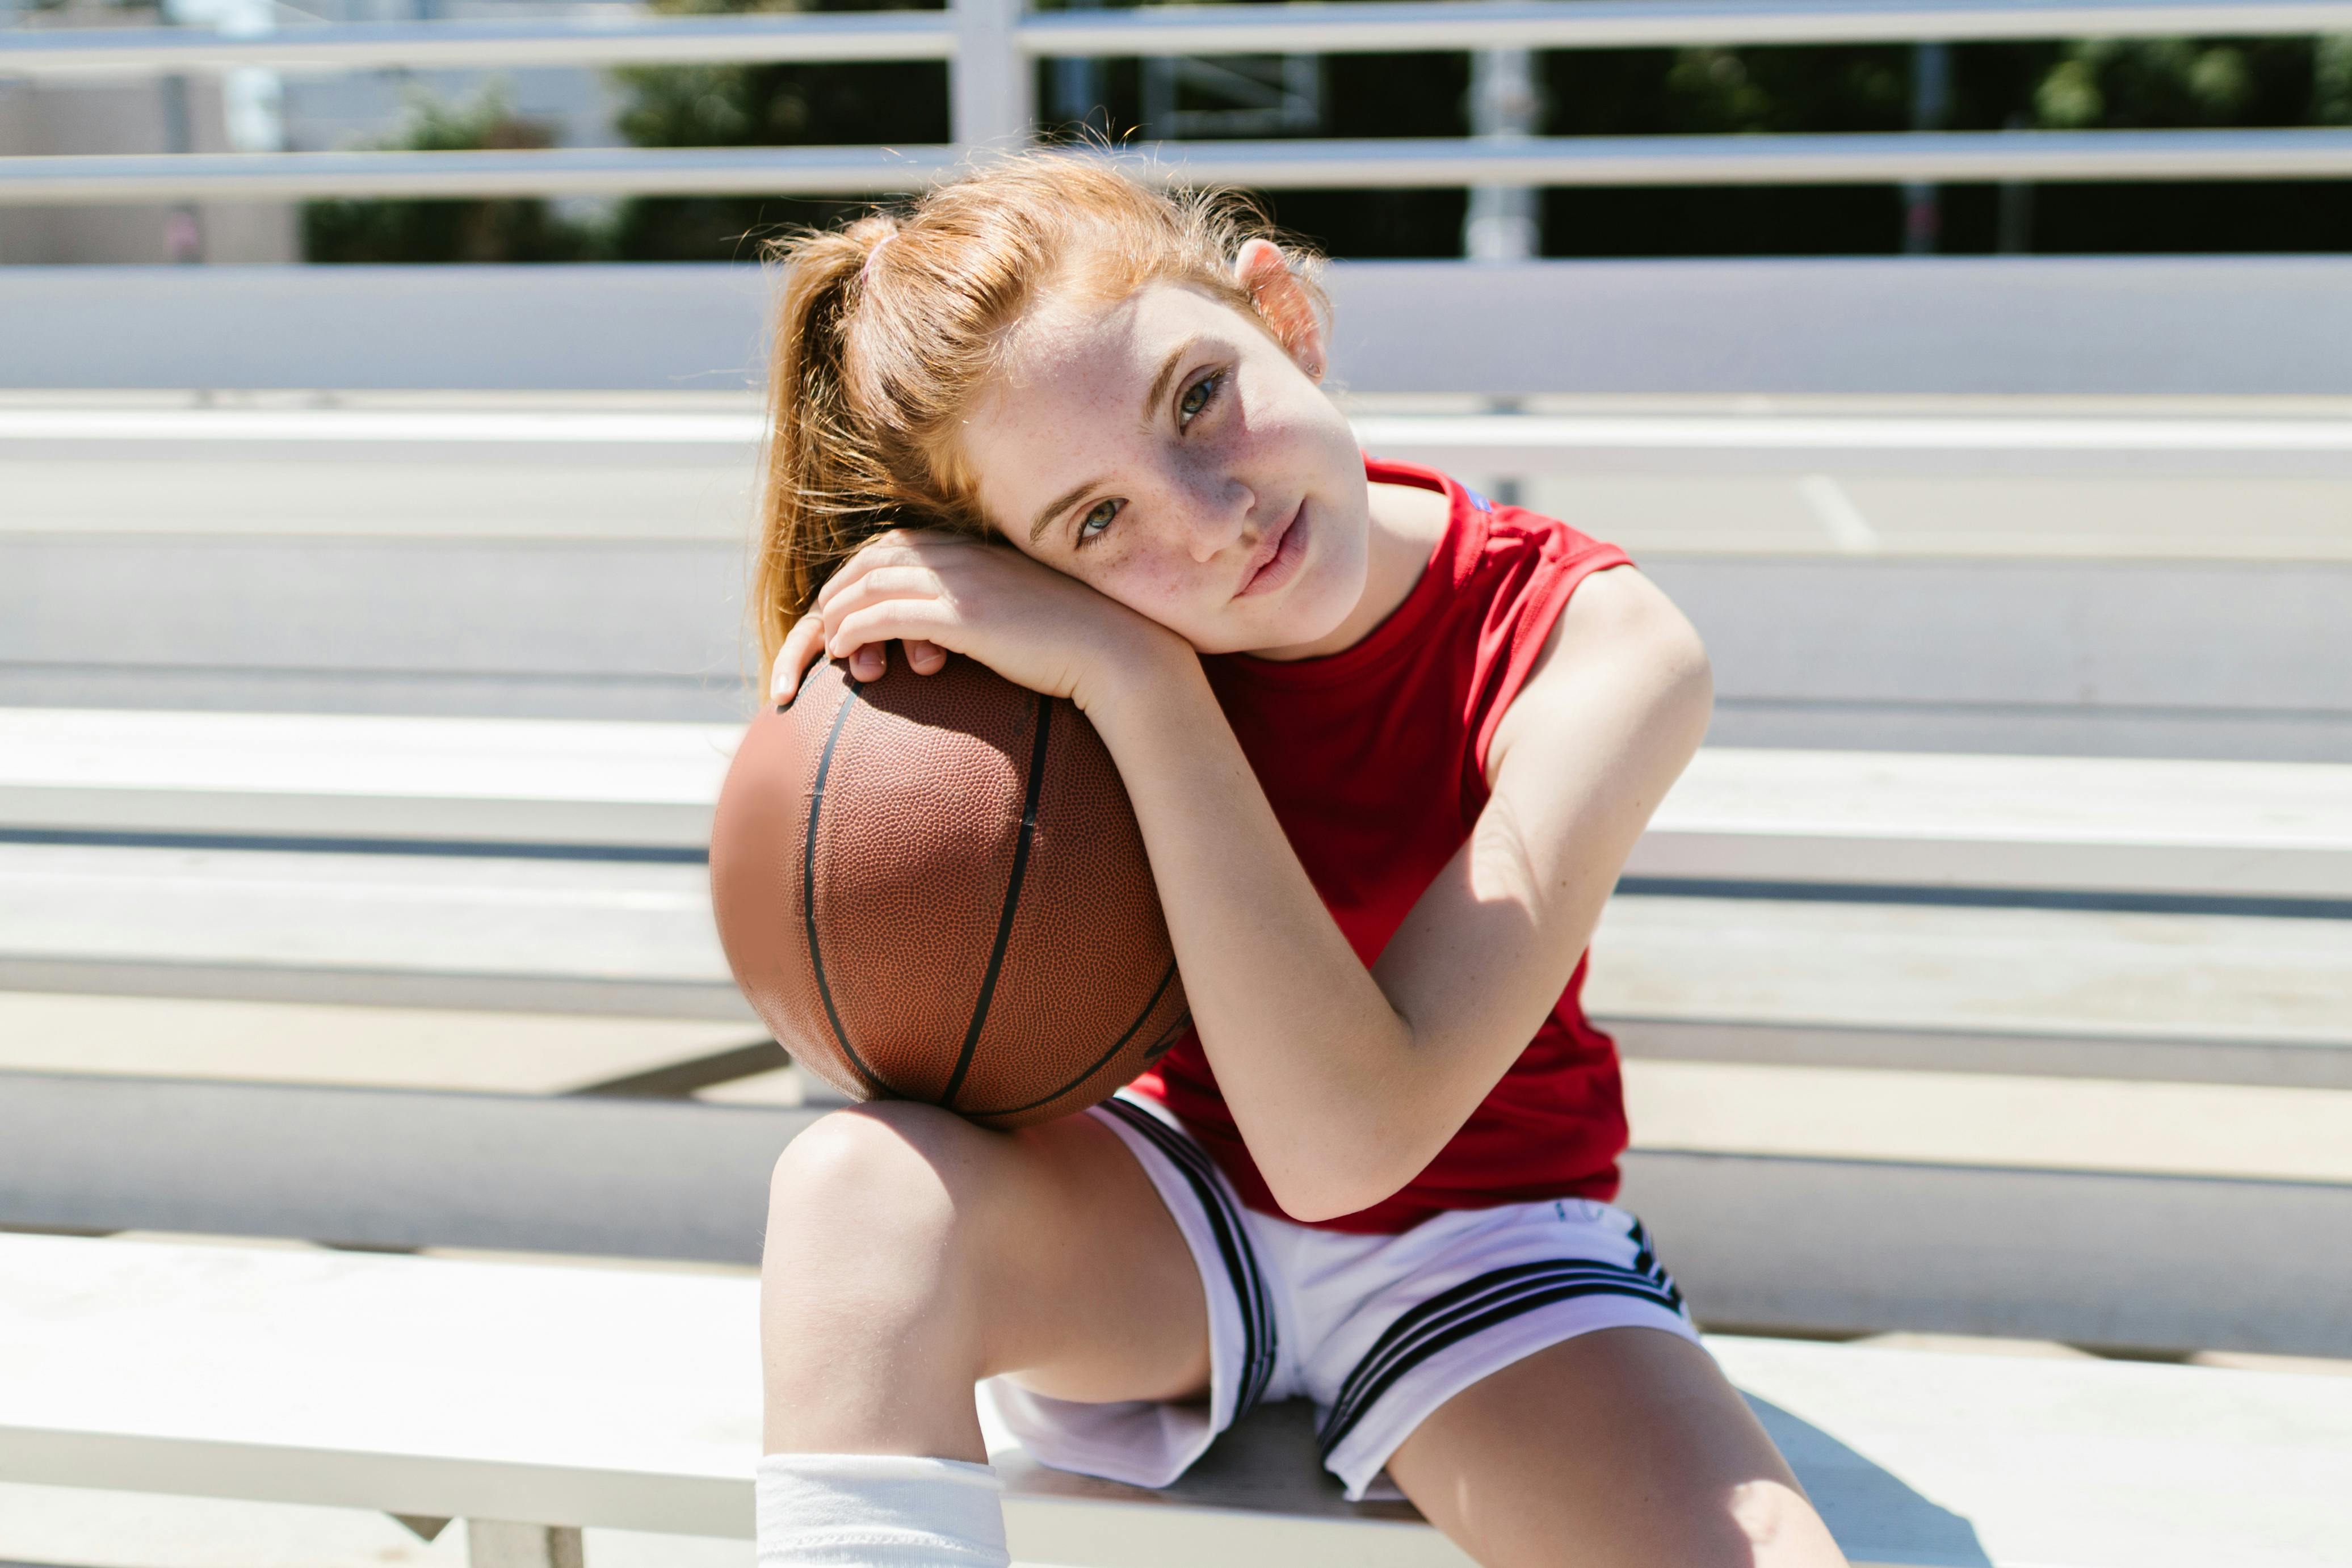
[
  {"x": 1931, "y": 99},
  {"x": 496, "y": 1543},
  {"x": 1078, "y": 84},
  {"x": 1502, "y": 222},
  {"x": 989, "y": 84}
]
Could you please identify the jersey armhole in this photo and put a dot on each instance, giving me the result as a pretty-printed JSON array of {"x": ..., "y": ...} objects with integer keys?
[{"x": 1528, "y": 639}]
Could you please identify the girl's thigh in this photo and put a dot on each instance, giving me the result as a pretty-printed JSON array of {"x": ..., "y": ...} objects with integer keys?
[
  {"x": 1622, "y": 1446},
  {"x": 910, "y": 1253}
]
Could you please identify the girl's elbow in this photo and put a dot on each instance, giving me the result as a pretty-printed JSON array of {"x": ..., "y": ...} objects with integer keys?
[
  {"x": 1689, "y": 674},
  {"x": 1317, "y": 1202},
  {"x": 1331, "y": 1189}
]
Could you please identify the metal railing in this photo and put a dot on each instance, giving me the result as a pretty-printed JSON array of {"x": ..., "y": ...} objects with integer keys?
[{"x": 991, "y": 47}]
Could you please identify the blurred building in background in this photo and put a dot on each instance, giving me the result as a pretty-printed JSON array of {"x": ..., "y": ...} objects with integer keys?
[
  {"x": 255, "y": 110},
  {"x": 201, "y": 113},
  {"x": 2114, "y": 84}
]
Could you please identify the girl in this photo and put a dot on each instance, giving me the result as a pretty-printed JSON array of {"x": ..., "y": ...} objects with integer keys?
[{"x": 1389, "y": 746}]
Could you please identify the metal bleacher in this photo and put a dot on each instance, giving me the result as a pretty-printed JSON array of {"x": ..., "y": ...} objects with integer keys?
[
  {"x": 370, "y": 650},
  {"x": 1987, "y": 974}
]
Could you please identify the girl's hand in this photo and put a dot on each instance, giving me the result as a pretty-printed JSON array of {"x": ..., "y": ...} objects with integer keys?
[{"x": 943, "y": 593}]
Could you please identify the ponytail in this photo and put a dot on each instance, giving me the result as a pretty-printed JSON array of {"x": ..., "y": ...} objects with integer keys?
[
  {"x": 886, "y": 330},
  {"x": 820, "y": 491}
]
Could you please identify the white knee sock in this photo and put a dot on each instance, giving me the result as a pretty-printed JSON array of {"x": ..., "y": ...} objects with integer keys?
[{"x": 879, "y": 1510}]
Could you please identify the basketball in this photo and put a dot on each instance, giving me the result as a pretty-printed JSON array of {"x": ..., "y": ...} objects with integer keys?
[{"x": 932, "y": 887}]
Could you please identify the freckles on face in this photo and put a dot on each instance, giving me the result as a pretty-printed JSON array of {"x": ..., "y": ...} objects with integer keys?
[
  {"x": 1060, "y": 409},
  {"x": 1160, "y": 440}
]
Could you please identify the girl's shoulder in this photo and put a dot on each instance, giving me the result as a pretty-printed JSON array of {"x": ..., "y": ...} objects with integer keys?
[
  {"x": 1496, "y": 579},
  {"x": 1494, "y": 549}
]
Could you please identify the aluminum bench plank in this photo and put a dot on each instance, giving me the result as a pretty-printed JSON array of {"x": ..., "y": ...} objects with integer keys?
[
  {"x": 2076, "y": 824},
  {"x": 2183, "y": 978},
  {"x": 557, "y": 936},
  {"x": 586, "y": 1396},
  {"x": 2083, "y": 1464},
  {"x": 2223, "y": 1130},
  {"x": 2214, "y": 997},
  {"x": 362, "y": 777},
  {"x": 391, "y": 1048},
  {"x": 2226, "y": 829},
  {"x": 1780, "y": 1241}
]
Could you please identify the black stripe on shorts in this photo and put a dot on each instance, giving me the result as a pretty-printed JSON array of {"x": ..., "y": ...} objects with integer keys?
[
  {"x": 1233, "y": 1244},
  {"x": 1645, "y": 1259},
  {"x": 1475, "y": 1306}
]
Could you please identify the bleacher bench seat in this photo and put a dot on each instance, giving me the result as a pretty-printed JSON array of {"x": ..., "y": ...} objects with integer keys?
[
  {"x": 564, "y": 1398},
  {"x": 2080, "y": 825}
]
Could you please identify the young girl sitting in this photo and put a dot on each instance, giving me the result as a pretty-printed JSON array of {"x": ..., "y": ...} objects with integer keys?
[{"x": 1388, "y": 745}]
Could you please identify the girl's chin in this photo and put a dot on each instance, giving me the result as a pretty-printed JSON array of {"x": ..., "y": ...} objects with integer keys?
[{"x": 1307, "y": 612}]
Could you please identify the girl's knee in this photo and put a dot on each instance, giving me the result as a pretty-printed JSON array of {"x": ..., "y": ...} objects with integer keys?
[
  {"x": 872, "y": 1181},
  {"x": 1779, "y": 1527},
  {"x": 868, "y": 1305}
]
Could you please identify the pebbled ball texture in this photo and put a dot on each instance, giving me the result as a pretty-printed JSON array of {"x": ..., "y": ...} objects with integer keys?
[{"x": 932, "y": 887}]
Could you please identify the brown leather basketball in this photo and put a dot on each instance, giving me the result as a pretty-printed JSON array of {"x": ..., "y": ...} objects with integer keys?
[{"x": 932, "y": 887}]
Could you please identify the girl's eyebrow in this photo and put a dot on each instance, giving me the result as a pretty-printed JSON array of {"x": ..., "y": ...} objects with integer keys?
[
  {"x": 1068, "y": 499},
  {"x": 1167, "y": 374},
  {"x": 1056, "y": 506}
]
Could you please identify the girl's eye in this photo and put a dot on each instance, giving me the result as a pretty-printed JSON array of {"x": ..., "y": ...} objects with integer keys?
[
  {"x": 1091, "y": 526},
  {"x": 1199, "y": 396}
]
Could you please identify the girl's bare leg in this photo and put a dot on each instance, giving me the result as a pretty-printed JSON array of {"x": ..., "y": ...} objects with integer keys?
[
  {"x": 910, "y": 1253},
  {"x": 1621, "y": 1449}
]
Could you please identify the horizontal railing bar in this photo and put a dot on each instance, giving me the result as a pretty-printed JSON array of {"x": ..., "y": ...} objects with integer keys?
[
  {"x": 365, "y": 46},
  {"x": 1479, "y": 442},
  {"x": 556, "y": 171},
  {"x": 1943, "y": 157},
  {"x": 1372, "y": 26},
  {"x": 1947, "y": 157},
  {"x": 1342, "y": 27}
]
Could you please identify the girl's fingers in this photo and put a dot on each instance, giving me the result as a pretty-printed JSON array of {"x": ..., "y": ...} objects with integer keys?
[
  {"x": 891, "y": 590},
  {"x": 896, "y": 586},
  {"x": 887, "y": 551},
  {"x": 913, "y": 619},
  {"x": 881, "y": 582},
  {"x": 801, "y": 646}
]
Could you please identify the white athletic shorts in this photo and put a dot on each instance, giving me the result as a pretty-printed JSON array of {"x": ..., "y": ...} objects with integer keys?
[{"x": 1379, "y": 1331}]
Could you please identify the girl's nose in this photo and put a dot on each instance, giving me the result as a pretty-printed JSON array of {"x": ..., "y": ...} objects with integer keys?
[{"x": 1220, "y": 515}]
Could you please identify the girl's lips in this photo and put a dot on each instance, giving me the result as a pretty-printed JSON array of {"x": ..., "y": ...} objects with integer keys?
[{"x": 1278, "y": 558}]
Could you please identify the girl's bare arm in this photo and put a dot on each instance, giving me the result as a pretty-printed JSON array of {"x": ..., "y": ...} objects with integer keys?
[{"x": 1346, "y": 1082}]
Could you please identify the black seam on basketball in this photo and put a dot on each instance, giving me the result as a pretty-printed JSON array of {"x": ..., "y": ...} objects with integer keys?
[
  {"x": 1101, "y": 1061},
  {"x": 1167, "y": 1038},
  {"x": 808, "y": 895},
  {"x": 1012, "y": 902}
]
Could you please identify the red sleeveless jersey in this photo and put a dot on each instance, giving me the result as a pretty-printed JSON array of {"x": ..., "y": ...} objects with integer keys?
[{"x": 1374, "y": 761}]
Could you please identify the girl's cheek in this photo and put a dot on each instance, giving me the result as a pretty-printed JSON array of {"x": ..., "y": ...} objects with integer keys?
[{"x": 1155, "y": 588}]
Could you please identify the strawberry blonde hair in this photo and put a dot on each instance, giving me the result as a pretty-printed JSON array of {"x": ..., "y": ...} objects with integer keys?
[{"x": 890, "y": 327}]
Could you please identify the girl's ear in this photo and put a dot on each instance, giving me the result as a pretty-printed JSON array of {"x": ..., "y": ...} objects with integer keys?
[{"x": 1286, "y": 308}]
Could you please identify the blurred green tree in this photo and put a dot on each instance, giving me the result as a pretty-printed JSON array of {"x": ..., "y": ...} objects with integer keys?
[
  {"x": 2103, "y": 84},
  {"x": 477, "y": 231},
  {"x": 2094, "y": 84},
  {"x": 782, "y": 105}
]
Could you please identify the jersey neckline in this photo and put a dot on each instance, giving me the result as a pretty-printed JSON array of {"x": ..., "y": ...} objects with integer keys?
[{"x": 1465, "y": 516}]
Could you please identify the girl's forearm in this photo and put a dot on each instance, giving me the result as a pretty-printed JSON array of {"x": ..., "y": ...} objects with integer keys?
[{"x": 1317, "y": 1065}]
